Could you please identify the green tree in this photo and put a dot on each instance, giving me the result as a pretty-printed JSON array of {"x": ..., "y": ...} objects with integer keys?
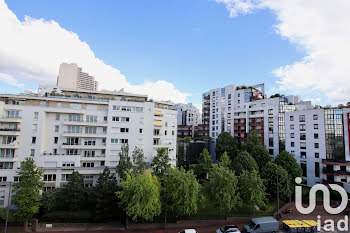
[
  {"x": 290, "y": 164},
  {"x": 254, "y": 139},
  {"x": 205, "y": 162},
  {"x": 161, "y": 163},
  {"x": 182, "y": 192},
  {"x": 140, "y": 195},
  {"x": 226, "y": 143},
  {"x": 104, "y": 192},
  {"x": 138, "y": 159},
  {"x": 225, "y": 161},
  {"x": 124, "y": 164},
  {"x": 49, "y": 199},
  {"x": 244, "y": 161},
  {"x": 261, "y": 156},
  {"x": 27, "y": 196},
  {"x": 252, "y": 189},
  {"x": 74, "y": 191},
  {"x": 223, "y": 188},
  {"x": 269, "y": 176}
]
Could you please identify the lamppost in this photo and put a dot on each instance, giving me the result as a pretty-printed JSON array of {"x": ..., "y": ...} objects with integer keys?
[
  {"x": 8, "y": 205},
  {"x": 278, "y": 199}
]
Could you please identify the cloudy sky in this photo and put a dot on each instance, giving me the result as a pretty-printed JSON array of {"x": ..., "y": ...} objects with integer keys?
[{"x": 179, "y": 49}]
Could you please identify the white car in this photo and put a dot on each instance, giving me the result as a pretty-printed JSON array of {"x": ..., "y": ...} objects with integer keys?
[
  {"x": 189, "y": 231},
  {"x": 228, "y": 229}
]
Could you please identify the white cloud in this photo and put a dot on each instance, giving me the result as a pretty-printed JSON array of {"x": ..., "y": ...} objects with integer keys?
[
  {"x": 32, "y": 50},
  {"x": 322, "y": 28}
]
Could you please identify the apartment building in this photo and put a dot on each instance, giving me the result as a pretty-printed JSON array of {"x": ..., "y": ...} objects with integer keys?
[
  {"x": 67, "y": 130},
  {"x": 187, "y": 114},
  {"x": 71, "y": 76},
  {"x": 190, "y": 131}
]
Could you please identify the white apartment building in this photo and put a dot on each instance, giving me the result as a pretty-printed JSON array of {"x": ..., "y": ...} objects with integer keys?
[
  {"x": 71, "y": 76},
  {"x": 187, "y": 114},
  {"x": 77, "y": 130}
]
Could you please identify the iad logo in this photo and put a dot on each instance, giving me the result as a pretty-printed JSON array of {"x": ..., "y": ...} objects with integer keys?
[
  {"x": 326, "y": 198},
  {"x": 329, "y": 224}
]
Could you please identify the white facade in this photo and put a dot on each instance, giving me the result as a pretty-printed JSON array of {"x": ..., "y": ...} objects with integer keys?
[
  {"x": 71, "y": 76},
  {"x": 187, "y": 114},
  {"x": 66, "y": 134}
]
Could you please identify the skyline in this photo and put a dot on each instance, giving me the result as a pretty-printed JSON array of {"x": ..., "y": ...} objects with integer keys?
[{"x": 213, "y": 45}]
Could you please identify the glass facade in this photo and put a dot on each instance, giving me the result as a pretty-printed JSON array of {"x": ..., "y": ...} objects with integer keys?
[
  {"x": 283, "y": 108},
  {"x": 335, "y": 148}
]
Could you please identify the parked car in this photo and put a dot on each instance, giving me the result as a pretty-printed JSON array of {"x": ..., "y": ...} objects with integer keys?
[
  {"x": 189, "y": 231},
  {"x": 228, "y": 229},
  {"x": 262, "y": 225}
]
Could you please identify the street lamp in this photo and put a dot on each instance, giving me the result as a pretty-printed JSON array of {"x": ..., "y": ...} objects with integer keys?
[{"x": 8, "y": 204}]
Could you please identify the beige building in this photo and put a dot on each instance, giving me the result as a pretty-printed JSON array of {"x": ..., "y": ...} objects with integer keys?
[{"x": 71, "y": 76}]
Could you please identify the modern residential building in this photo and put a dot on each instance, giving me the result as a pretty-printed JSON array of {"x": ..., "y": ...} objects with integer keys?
[
  {"x": 66, "y": 130},
  {"x": 190, "y": 131},
  {"x": 72, "y": 77},
  {"x": 187, "y": 114}
]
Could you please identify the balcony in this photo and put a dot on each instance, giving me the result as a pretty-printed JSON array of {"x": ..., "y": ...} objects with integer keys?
[
  {"x": 85, "y": 135},
  {"x": 335, "y": 162},
  {"x": 11, "y": 119},
  {"x": 13, "y": 145},
  {"x": 85, "y": 123},
  {"x": 335, "y": 173},
  {"x": 9, "y": 131},
  {"x": 83, "y": 146}
]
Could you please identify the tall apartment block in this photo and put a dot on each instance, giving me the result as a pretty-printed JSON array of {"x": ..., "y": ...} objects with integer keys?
[
  {"x": 67, "y": 130},
  {"x": 71, "y": 76},
  {"x": 187, "y": 114}
]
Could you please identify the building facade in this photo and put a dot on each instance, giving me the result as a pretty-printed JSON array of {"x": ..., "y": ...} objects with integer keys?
[
  {"x": 72, "y": 77},
  {"x": 187, "y": 114},
  {"x": 75, "y": 130}
]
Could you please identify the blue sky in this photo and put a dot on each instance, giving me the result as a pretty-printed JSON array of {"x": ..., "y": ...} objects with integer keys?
[{"x": 194, "y": 45}]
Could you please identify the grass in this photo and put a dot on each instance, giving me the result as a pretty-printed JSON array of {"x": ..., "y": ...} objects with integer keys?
[{"x": 211, "y": 212}]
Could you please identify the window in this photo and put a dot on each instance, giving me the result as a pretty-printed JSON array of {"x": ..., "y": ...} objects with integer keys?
[
  {"x": 165, "y": 132},
  {"x": 35, "y": 127},
  {"x": 316, "y": 136},
  {"x": 302, "y": 145},
  {"x": 304, "y": 168},
  {"x": 140, "y": 130},
  {"x": 302, "y": 136},
  {"x": 291, "y": 126},
  {"x": 91, "y": 118},
  {"x": 12, "y": 114},
  {"x": 270, "y": 111},
  {"x": 57, "y": 128},
  {"x": 302, "y": 118},
  {"x": 33, "y": 140},
  {"x": 291, "y": 135},
  {"x": 8, "y": 139},
  {"x": 32, "y": 152},
  {"x": 72, "y": 152},
  {"x": 302, "y": 127},
  {"x": 315, "y": 126},
  {"x": 124, "y": 141},
  {"x": 315, "y": 117},
  {"x": 50, "y": 177},
  {"x": 90, "y": 130},
  {"x": 292, "y": 152},
  {"x": 3, "y": 179},
  {"x": 90, "y": 141},
  {"x": 102, "y": 163},
  {"x": 74, "y": 129},
  {"x": 126, "y": 119},
  {"x": 303, "y": 154},
  {"x": 75, "y": 106},
  {"x": 89, "y": 153},
  {"x": 105, "y": 118},
  {"x": 89, "y": 164},
  {"x": 317, "y": 145},
  {"x": 55, "y": 152},
  {"x": 317, "y": 155},
  {"x": 291, "y": 118},
  {"x": 57, "y": 116},
  {"x": 173, "y": 132},
  {"x": 317, "y": 169},
  {"x": 292, "y": 144},
  {"x": 55, "y": 140},
  {"x": 6, "y": 165},
  {"x": 74, "y": 117},
  {"x": 7, "y": 153},
  {"x": 114, "y": 140},
  {"x": 270, "y": 142},
  {"x": 68, "y": 164},
  {"x": 36, "y": 115},
  {"x": 124, "y": 130}
]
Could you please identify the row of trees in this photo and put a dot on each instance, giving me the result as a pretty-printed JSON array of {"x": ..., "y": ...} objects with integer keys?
[{"x": 244, "y": 175}]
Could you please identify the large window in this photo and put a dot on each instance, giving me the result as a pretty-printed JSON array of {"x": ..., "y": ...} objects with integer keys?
[
  {"x": 317, "y": 169},
  {"x": 302, "y": 127},
  {"x": 74, "y": 117},
  {"x": 302, "y": 118},
  {"x": 6, "y": 165},
  {"x": 304, "y": 168},
  {"x": 335, "y": 148},
  {"x": 91, "y": 118}
]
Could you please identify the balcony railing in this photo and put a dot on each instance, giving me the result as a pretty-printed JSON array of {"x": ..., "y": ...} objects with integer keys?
[
  {"x": 9, "y": 129},
  {"x": 336, "y": 173},
  {"x": 333, "y": 161}
]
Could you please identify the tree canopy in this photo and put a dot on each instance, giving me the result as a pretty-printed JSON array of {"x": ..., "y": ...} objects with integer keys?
[
  {"x": 204, "y": 163},
  {"x": 161, "y": 162},
  {"x": 124, "y": 164},
  {"x": 252, "y": 188},
  {"x": 140, "y": 195},
  {"x": 138, "y": 159},
  {"x": 182, "y": 192},
  {"x": 261, "y": 156},
  {"x": 27, "y": 190},
  {"x": 223, "y": 188},
  {"x": 225, "y": 161},
  {"x": 226, "y": 143},
  {"x": 269, "y": 176},
  {"x": 244, "y": 161},
  {"x": 74, "y": 191}
]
